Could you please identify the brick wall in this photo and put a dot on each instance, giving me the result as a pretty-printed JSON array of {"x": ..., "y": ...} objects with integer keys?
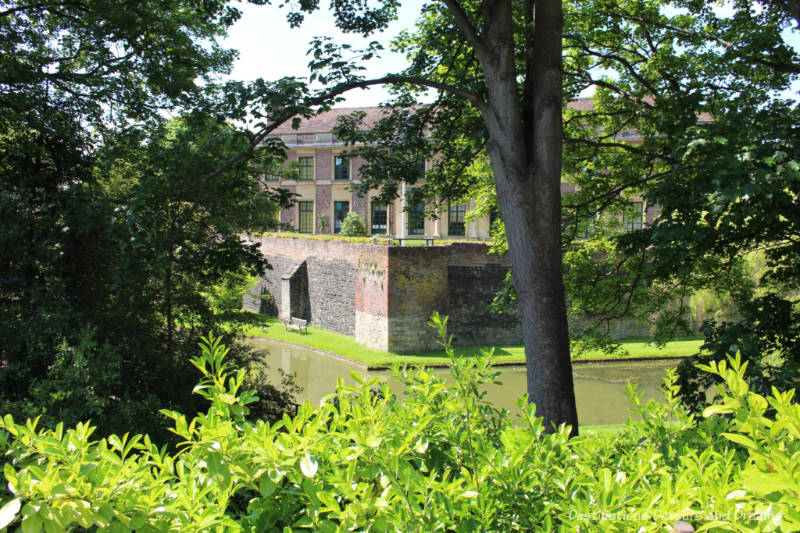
[
  {"x": 417, "y": 288},
  {"x": 330, "y": 271},
  {"x": 288, "y": 215},
  {"x": 324, "y": 164},
  {"x": 359, "y": 206},
  {"x": 323, "y": 206},
  {"x": 458, "y": 280},
  {"x": 383, "y": 296}
]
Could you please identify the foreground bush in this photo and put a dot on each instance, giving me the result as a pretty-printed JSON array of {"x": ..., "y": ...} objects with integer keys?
[{"x": 439, "y": 459}]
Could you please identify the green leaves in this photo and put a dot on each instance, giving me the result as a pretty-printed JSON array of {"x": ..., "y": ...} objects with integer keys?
[
  {"x": 308, "y": 466},
  {"x": 440, "y": 457},
  {"x": 9, "y": 512}
]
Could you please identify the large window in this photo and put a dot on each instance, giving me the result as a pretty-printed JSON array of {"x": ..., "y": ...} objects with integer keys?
[
  {"x": 379, "y": 219},
  {"x": 306, "y": 167},
  {"x": 305, "y": 223},
  {"x": 494, "y": 214},
  {"x": 633, "y": 217},
  {"x": 341, "y": 167},
  {"x": 455, "y": 219},
  {"x": 340, "y": 210},
  {"x": 420, "y": 171},
  {"x": 416, "y": 218}
]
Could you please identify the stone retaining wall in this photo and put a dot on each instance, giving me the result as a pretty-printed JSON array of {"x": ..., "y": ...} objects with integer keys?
[{"x": 383, "y": 296}]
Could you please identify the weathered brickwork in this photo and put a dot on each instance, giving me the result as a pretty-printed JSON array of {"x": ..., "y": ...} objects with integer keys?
[
  {"x": 458, "y": 280},
  {"x": 471, "y": 290},
  {"x": 417, "y": 288},
  {"x": 324, "y": 164},
  {"x": 372, "y": 331},
  {"x": 383, "y": 296},
  {"x": 323, "y": 198},
  {"x": 329, "y": 281},
  {"x": 288, "y": 215},
  {"x": 359, "y": 205}
]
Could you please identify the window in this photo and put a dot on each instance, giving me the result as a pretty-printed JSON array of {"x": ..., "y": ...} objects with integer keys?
[
  {"x": 494, "y": 214},
  {"x": 455, "y": 219},
  {"x": 379, "y": 219},
  {"x": 416, "y": 218},
  {"x": 340, "y": 210},
  {"x": 272, "y": 169},
  {"x": 306, "y": 165},
  {"x": 420, "y": 171},
  {"x": 633, "y": 217},
  {"x": 306, "y": 222},
  {"x": 341, "y": 167}
]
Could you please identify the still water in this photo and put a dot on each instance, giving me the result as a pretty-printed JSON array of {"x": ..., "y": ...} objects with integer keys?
[{"x": 599, "y": 387}]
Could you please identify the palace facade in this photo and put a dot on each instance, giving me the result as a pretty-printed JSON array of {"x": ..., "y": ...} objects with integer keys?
[{"x": 324, "y": 197}]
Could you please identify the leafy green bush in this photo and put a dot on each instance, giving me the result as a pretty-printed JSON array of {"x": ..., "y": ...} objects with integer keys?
[
  {"x": 440, "y": 459},
  {"x": 353, "y": 226}
]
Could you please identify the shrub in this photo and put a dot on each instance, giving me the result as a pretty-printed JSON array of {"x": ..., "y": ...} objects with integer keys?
[
  {"x": 353, "y": 226},
  {"x": 440, "y": 459}
]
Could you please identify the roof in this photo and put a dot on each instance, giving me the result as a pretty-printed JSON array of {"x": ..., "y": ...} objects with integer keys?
[
  {"x": 581, "y": 104},
  {"x": 325, "y": 122}
]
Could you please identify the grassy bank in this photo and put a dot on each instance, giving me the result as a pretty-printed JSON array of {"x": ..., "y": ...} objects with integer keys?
[{"x": 271, "y": 328}]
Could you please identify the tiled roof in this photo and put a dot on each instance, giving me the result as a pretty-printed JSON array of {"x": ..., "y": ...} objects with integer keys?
[
  {"x": 324, "y": 122},
  {"x": 581, "y": 104}
]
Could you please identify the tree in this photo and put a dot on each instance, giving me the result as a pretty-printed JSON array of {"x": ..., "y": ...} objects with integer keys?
[
  {"x": 498, "y": 43},
  {"x": 113, "y": 241},
  {"x": 702, "y": 93}
]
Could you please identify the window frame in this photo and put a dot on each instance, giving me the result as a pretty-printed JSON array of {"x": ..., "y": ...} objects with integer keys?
[
  {"x": 347, "y": 168},
  {"x": 339, "y": 229},
  {"x": 636, "y": 222},
  {"x": 306, "y": 172},
  {"x": 460, "y": 212},
  {"x": 301, "y": 212},
  {"x": 385, "y": 210},
  {"x": 416, "y": 214}
]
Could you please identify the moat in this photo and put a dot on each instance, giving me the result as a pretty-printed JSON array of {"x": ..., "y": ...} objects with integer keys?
[{"x": 599, "y": 387}]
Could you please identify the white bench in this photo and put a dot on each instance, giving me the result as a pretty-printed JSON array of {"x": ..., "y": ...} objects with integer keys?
[{"x": 297, "y": 324}]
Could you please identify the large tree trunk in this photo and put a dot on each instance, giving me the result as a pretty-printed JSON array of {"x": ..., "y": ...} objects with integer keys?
[{"x": 526, "y": 159}]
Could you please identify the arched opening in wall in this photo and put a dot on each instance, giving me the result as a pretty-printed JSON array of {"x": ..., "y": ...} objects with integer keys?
[{"x": 294, "y": 293}]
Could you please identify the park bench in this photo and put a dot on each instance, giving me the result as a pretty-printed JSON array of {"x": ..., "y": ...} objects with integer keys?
[
  {"x": 297, "y": 324},
  {"x": 389, "y": 240}
]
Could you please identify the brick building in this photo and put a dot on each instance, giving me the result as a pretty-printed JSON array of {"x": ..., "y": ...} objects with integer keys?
[
  {"x": 383, "y": 295},
  {"x": 324, "y": 197},
  {"x": 325, "y": 174}
]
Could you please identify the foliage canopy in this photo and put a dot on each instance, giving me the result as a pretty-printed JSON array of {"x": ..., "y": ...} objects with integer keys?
[{"x": 441, "y": 458}]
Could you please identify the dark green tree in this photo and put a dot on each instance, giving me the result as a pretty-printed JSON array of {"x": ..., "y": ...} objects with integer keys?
[
  {"x": 497, "y": 66},
  {"x": 114, "y": 237},
  {"x": 693, "y": 114}
]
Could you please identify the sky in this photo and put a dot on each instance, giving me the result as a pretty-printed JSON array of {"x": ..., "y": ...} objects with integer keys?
[{"x": 270, "y": 49}]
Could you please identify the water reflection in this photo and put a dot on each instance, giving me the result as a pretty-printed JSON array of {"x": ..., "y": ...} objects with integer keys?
[{"x": 599, "y": 387}]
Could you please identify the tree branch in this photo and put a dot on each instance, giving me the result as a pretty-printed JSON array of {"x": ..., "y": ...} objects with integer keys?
[
  {"x": 320, "y": 99},
  {"x": 624, "y": 146},
  {"x": 616, "y": 190},
  {"x": 466, "y": 27}
]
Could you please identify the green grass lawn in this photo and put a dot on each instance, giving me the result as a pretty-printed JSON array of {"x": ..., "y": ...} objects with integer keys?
[{"x": 260, "y": 326}]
